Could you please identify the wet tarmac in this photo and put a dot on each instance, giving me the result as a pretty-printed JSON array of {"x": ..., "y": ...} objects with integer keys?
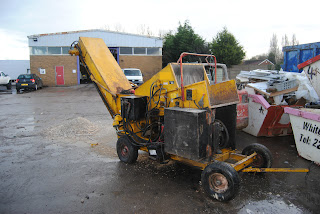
[{"x": 43, "y": 173}]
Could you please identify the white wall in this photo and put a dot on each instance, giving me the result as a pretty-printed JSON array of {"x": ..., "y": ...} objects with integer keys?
[
  {"x": 14, "y": 68},
  {"x": 112, "y": 39}
]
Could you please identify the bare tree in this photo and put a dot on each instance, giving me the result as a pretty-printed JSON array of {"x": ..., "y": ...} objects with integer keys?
[
  {"x": 105, "y": 27},
  {"x": 141, "y": 29},
  {"x": 144, "y": 30},
  {"x": 286, "y": 42},
  {"x": 149, "y": 32},
  {"x": 274, "y": 52},
  {"x": 162, "y": 33},
  {"x": 260, "y": 57},
  {"x": 118, "y": 28},
  {"x": 294, "y": 40}
]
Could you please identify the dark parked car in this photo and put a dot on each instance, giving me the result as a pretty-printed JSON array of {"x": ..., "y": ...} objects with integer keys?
[{"x": 28, "y": 81}]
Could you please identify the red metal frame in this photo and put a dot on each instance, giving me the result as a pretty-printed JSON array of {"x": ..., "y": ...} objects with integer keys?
[
  {"x": 195, "y": 54},
  {"x": 308, "y": 62},
  {"x": 271, "y": 126}
]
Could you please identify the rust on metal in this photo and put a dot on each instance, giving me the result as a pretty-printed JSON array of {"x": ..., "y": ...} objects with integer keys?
[
  {"x": 218, "y": 182},
  {"x": 222, "y": 94},
  {"x": 250, "y": 169},
  {"x": 198, "y": 164},
  {"x": 237, "y": 157},
  {"x": 243, "y": 163},
  {"x": 229, "y": 154},
  {"x": 242, "y": 123},
  {"x": 223, "y": 156}
]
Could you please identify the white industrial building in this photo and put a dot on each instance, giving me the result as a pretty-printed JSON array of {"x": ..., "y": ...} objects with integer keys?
[{"x": 50, "y": 51}]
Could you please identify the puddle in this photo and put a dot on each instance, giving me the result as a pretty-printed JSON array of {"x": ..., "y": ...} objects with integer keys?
[{"x": 270, "y": 206}]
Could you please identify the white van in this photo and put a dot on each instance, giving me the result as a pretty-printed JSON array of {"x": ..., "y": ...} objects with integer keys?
[
  {"x": 5, "y": 80},
  {"x": 134, "y": 75}
]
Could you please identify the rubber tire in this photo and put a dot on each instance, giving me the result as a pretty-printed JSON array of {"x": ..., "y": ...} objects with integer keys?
[
  {"x": 9, "y": 86},
  {"x": 262, "y": 151},
  {"x": 18, "y": 90},
  {"x": 229, "y": 173},
  {"x": 224, "y": 135},
  {"x": 127, "y": 152}
]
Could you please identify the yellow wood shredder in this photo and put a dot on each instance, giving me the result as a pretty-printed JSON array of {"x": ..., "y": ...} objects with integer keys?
[{"x": 177, "y": 115}]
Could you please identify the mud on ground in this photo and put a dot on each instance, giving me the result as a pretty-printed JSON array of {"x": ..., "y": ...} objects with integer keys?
[{"x": 57, "y": 155}]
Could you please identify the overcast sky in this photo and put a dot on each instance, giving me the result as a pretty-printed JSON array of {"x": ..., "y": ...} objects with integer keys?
[{"x": 252, "y": 22}]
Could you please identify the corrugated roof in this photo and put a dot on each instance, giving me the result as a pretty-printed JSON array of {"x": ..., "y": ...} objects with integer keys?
[
  {"x": 92, "y": 30},
  {"x": 111, "y": 38}
]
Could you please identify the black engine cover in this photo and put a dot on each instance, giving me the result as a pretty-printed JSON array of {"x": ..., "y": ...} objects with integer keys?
[
  {"x": 186, "y": 132},
  {"x": 133, "y": 107}
]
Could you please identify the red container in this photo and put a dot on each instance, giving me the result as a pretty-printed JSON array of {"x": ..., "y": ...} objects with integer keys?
[
  {"x": 267, "y": 120},
  {"x": 242, "y": 109}
]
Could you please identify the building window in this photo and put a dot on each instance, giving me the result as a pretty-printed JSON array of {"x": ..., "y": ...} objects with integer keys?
[
  {"x": 139, "y": 50},
  {"x": 49, "y": 50},
  {"x": 54, "y": 50},
  {"x": 38, "y": 50},
  {"x": 125, "y": 50},
  {"x": 65, "y": 50},
  {"x": 153, "y": 51}
]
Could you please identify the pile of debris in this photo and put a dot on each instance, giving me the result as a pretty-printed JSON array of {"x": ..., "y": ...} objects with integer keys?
[
  {"x": 279, "y": 87},
  {"x": 75, "y": 128}
]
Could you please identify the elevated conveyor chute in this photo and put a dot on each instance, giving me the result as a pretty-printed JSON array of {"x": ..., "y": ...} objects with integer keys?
[
  {"x": 104, "y": 71},
  {"x": 102, "y": 65}
]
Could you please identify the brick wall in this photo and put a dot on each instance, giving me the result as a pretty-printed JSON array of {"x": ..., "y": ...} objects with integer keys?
[
  {"x": 49, "y": 63},
  {"x": 149, "y": 65}
]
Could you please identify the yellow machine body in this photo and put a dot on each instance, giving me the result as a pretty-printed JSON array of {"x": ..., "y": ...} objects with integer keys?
[
  {"x": 111, "y": 81},
  {"x": 177, "y": 86},
  {"x": 104, "y": 70},
  {"x": 196, "y": 81}
]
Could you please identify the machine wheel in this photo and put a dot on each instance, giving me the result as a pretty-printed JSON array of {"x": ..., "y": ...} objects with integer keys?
[
  {"x": 9, "y": 86},
  {"x": 220, "y": 181},
  {"x": 263, "y": 158},
  {"x": 127, "y": 152},
  {"x": 223, "y": 135},
  {"x": 18, "y": 90}
]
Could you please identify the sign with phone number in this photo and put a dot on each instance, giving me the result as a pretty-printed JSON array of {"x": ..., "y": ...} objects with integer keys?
[
  {"x": 309, "y": 141},
  {"x": 307, "y": 137}
]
